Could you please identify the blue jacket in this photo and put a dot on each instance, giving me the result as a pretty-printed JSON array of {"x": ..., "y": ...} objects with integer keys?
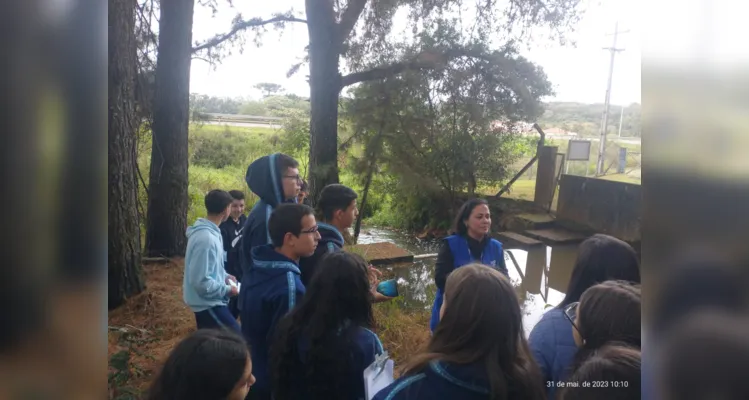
[
  {"x": 492, "y": 255},
  {"x": 204, "y": 283},
  {"x": 271, "y": 288},
  {"x": 440, "y": 381},
  {"x": 364, "y": 346},
  {"x": 331, "y": 240},
  {"x": 553, "y": 347}
]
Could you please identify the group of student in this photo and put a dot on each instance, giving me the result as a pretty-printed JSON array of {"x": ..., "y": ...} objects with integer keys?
[{"x": 307, "y": 325}]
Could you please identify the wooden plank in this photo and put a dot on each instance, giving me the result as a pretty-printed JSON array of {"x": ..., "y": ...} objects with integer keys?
[
  {"x": 513, "y": 240},
  {"x": 554, "y": 236},
  {"x": 381, "y": 253}
]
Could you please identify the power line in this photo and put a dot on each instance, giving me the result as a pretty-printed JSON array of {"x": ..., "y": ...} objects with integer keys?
[{"x": 604, "y": 125}]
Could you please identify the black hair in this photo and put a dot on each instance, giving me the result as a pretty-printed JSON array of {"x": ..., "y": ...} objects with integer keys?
[
  {"x": 304, "y": 187},
  {"x": 286, "y": 218},
  {"x": 216, "y": 201},
  {"x": 601, "y": 258},
  {"x": 459, "y": 225},
  {"x": 335, "y": 197},
  {"x": 338, "y": 302},
  {"x": 609, "y": 311},
  {"x": 236, "y": 194},
  {"x": 284, "y": 162},
  {"x": 612, "y": 372},
  {"x": 697, "y": 280},
  {"x": 206, "y": 365}
]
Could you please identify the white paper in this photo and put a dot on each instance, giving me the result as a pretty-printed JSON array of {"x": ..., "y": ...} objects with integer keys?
[
  {"x": 235, "y": 284},
  {"x": 373, "y": 382}
]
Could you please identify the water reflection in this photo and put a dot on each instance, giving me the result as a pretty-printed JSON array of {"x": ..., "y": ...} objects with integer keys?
[{"x": 540, "y": 275}]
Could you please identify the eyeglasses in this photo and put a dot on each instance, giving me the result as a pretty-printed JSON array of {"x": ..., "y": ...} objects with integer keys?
[
  {"x": 294, "y": 177},
  {"x": 314, "y": 229},
  {"x": 570, "y": 312}
]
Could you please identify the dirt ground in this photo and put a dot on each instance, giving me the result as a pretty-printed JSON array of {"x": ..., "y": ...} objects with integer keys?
[{"x": 148, "y": 326}]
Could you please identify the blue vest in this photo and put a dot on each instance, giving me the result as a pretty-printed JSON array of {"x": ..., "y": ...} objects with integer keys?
[{"x": 491, "y": 256}]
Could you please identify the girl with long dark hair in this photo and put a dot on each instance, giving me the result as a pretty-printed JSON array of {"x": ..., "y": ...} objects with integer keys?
[
  {"x": 324, "y": 345},
  {"x": 210, "y": 364},
  {"x": 599, "y": 258},
  {"x": 469, "y": 243},
  {"x": 478, "y": 350}
]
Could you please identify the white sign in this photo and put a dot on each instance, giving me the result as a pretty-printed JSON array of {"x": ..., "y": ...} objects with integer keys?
[{"x": 578, "y": 150}]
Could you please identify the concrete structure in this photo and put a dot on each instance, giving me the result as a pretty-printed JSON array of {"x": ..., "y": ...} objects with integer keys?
[
  {"x": 545, "y": 176},
  {"x": 381, "y": 253},
  {"x": 600, "y": 205}
]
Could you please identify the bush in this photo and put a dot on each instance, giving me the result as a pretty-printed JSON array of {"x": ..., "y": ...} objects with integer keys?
[{"x": 221, "y": 146}]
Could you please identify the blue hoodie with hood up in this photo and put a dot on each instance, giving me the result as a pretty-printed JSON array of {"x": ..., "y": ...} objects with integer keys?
[
  {"x": 266, "y": 182},
  {"x": 204, "y": 283},
  {"x": 331, "y": 240},
  {"x": 271, "y": 288}
]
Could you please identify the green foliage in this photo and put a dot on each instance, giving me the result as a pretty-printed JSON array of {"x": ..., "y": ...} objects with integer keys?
[
  {"x": 268, "y": 88},
  {"x": 585, "y": 119},
  {"x": 295, "y": 138},
  {"x": 270, "y": 106},
  {"x": 211, "y": 147},
  {"x": 450, "y": 129}
]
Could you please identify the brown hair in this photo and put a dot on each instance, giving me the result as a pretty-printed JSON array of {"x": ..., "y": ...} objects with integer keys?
[
  {"x": 609, "y": 311},
  {"x": 483, "y": 324},
  {"x": 614, "y": 370}
]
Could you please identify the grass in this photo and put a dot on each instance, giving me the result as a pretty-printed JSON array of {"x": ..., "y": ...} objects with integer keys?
[
  {"x": 149, "y": 325},
  {"x": 199, "y": 128}
]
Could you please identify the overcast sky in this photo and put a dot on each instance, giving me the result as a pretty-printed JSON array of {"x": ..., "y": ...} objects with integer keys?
[{"x": 577, "y": 73}]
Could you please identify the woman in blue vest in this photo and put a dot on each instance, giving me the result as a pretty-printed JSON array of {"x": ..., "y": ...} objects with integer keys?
[{"x": 469, "y": 243}]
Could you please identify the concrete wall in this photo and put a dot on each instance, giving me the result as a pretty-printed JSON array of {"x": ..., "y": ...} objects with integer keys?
[{"x": 609, "y": 207}]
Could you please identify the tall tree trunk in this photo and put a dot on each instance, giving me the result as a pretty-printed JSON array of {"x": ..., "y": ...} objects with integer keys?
[
  {"x": 357, "y": 226},
  {"x": 167, "y": 200},
  {"x": 376, "y": 146},
  {"x": 124, "y": 256},
  {"x": 325, "y": 87}
]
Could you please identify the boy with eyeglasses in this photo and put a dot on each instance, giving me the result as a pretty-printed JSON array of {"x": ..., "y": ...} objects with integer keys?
[
  {"x": 275, "y": 179},
  {"x": 273, "y": 286}
]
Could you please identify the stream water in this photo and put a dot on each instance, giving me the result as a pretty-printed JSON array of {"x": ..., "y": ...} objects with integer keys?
[{"x": 540, "y": 275}]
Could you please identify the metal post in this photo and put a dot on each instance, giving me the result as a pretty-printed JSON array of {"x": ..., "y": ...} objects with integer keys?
[
  {"x": 605, "y": 123},
  {"x": 621, "y": 119}
]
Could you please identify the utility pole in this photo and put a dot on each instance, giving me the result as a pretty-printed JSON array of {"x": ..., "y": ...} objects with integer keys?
[
  {"x": 604, "y": 126},
  {"x": 621, "y": 119}
]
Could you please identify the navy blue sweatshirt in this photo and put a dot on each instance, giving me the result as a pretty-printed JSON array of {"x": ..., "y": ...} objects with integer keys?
[
  {"x": 363, "y": 345},
  {"x": 272, "y": 288},
  {"x": 331, "y": 240},
  {"x": 443, "y": 381}
]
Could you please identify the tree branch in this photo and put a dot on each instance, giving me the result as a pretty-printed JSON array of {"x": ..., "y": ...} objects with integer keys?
[
  {"x": 240, "y": 26},
  {"x": 425, "y": 60},
  {"x": 431, "y": 60},
  {"x": 349, "y": 18}
]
